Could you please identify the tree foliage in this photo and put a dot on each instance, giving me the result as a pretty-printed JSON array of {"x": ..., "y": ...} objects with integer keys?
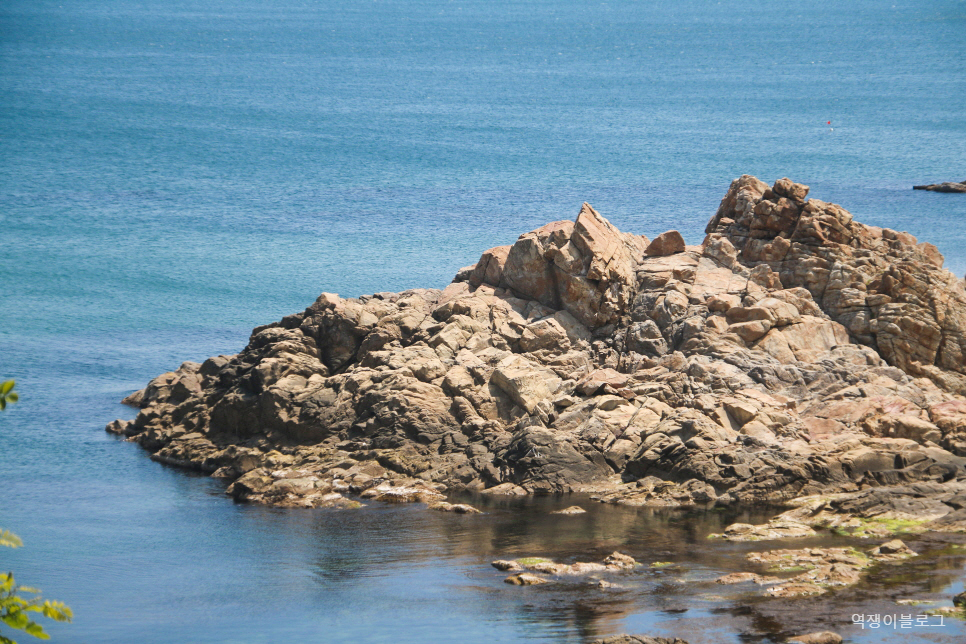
[
  {"x": 19, "y": 604},
  {"x": 7, "y": 394}
]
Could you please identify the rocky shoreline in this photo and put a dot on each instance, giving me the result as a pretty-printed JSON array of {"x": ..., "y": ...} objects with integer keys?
[{"x": 796, "y": 356}]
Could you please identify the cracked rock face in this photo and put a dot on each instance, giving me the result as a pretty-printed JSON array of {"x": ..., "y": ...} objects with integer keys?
[{"x": 794, "y": 352}]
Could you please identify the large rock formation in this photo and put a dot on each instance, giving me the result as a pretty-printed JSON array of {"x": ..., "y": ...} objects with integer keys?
[{"x": 794, "y": 352}]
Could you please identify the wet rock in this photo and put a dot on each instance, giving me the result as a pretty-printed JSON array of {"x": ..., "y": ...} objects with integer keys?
[
  {"x": 620, "y": 560},
  {"x": 746, "y": 577},
  {"x": 403, "y": 495},
  {"x": 525, "y": 579},
  {"x": 821, "y": 568},
  {"x": 574, "y": 509},
  {"x": 948, "y": 611},
  {"x": 894, "y": 549},
  {"x": 458, "y": 508},
  {"x": 823, "y": 637},
  {"x": 877, "y": 511},
  {"x": 506, "y": 565},
  {"x": 776, "y": 529},
  {"x": 795, "y": 589},
  {"x": 638, "y": 639},
  {"x": 615, "y": 562},
  {"x": 505, "y": 489}
]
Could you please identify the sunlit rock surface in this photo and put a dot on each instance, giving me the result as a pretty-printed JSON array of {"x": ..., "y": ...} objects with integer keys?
[{"x": 795, "y": 352}]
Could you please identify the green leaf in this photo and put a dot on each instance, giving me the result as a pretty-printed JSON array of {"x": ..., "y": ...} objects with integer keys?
[
  {"x": 58, "y": 611},
  {"x": 35, "y": 629},
  {"x": 9, "y": 539},
  {"x": 16, "y": 619},
  {"x": 18, "y": 603},
  {"x": 7, "y": 395}
]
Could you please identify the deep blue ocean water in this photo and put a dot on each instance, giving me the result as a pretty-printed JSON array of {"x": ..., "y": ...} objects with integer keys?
[{"x": 174, "y": 173}]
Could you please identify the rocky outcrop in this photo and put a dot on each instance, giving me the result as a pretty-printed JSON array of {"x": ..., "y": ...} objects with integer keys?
[
  {"x": 795, "y": 352},
  {"x": 948, "y": 186}
]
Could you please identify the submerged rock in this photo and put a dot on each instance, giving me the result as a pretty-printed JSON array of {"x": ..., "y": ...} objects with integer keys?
[
  {"x": 745, "y": 578},
  {"x": 458, "y": 508},
  {"x": 795, "y": 353},
  {"x": 795, "y": 589}
]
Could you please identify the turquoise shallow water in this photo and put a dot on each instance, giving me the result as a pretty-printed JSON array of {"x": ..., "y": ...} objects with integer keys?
[{"x": 173, "y": 174}]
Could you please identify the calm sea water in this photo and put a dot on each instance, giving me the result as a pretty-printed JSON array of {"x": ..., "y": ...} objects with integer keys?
[{"x": 174, "y": 173}]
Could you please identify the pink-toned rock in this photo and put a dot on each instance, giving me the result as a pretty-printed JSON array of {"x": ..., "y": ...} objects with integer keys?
[
  {"x": 949, "y": 416},
  {"x": 592, "y": 383},
  {"x": 489, "y": 270},
  {"x": 664, "y": 244},
  {"x": 722, "y": 302},
  {"x": 750, "y": 331},
  {"x": 813, "y": 336},
  {"x": 526, "y": 270},
  {"x": 785, "y": 187},
  {"x": 823, "y": 428},
  {"x": 931, "y": 254}
]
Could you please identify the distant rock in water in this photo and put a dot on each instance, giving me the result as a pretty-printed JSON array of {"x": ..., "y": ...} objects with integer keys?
[
  {"x": 794, "y": 352},
  {"x": 637, "y": 639},
  {"x": 949, "y": 186}
]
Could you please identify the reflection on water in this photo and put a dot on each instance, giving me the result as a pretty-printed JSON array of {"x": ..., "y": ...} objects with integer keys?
[{"x": 428, "y": 574}]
